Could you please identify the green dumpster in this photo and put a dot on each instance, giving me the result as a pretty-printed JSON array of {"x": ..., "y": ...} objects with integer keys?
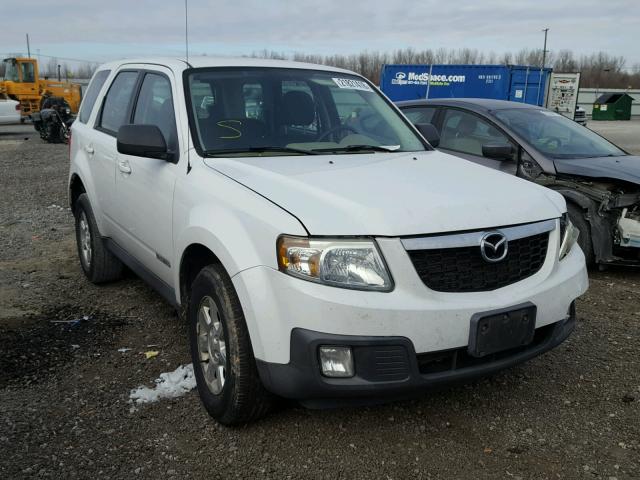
[{"x": 612, "y": 106}]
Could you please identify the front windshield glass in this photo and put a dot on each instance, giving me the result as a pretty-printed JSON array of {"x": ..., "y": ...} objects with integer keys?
[
  {"x": 555, "y": 135},
  {"x": 11, "y": 71},
  {"x": 275, "y": 111}
]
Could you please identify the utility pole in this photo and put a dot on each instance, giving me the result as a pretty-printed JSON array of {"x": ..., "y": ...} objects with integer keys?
[
  {"x": 544, "y": 49},
  {"x": 28, "y": 47}
]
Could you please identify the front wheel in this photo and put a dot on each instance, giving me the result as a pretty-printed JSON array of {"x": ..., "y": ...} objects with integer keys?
[{"x": 223, "y": 361}]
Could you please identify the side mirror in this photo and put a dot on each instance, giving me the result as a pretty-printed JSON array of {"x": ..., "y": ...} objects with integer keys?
[
  {"x": 429, "y": 133},
  {"x": 143, "y": 141},
  {"x": 498, "y": 151}
]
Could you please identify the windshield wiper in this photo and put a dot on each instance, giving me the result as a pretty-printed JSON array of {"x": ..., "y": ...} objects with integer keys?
[
  {"x": 359, "y": 148},
  {"x": 225, "y": 151}
]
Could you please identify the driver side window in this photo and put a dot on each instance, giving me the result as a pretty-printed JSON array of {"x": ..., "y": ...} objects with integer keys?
[
  {"x": 466, "y": 133},
  {"x": 155, "y": 107}
]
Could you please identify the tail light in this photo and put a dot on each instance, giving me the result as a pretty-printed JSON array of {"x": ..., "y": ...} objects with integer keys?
[{"x": 18, "y": 107}]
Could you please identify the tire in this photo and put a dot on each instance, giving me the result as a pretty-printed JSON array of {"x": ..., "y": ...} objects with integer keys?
[
  {"x": 577, "y": 217},
  {"x": 98, "y": 263},
  {"x": 225, "y": 368}
]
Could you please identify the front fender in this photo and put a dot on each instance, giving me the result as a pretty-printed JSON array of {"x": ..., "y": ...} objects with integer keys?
[{"x": 239, "y": 226}]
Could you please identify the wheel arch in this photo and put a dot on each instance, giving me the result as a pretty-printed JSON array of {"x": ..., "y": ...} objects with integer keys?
[
  {"x": 76, "y": 188},
  {"x": 194, "y": 258}
]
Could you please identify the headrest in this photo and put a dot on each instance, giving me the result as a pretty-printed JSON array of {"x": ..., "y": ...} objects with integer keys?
[
  {"x": 297, "y": 108},
  {"x": 467, "y": 124}
]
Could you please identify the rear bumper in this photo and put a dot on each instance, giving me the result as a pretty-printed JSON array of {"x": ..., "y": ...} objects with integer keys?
[{"x": 301, "y": 378}]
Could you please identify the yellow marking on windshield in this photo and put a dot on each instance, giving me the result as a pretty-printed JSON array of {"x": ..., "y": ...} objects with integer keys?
[{"x": 223, "y": 124}]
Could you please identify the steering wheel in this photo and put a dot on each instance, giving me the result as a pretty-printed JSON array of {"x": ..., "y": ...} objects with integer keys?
[
  {"x": 547, "y": 141},
  {"x": 335, "y": 129}
]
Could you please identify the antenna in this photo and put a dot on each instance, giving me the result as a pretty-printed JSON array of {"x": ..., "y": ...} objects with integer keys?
[
  {"x": 186, "y": 28},
  {"x": 186, "y": 48}
]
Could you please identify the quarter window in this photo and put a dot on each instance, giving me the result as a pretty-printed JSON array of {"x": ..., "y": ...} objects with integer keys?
[
  {"x": 92, "y": 94},
  {"x": 467, "y": 133},
  {"x": 155, "y": 107},
  {"x": 116, "y": 103}
]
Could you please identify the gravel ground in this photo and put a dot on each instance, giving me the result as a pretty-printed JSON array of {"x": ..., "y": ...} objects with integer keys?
[{"x": 64, "y": 410}]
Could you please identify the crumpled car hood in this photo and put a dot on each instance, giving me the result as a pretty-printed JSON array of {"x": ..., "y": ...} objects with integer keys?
[{"x": 625, "y": 168}]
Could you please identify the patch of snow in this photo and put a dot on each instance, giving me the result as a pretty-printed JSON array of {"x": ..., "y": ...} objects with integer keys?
[{"x": 169, "y": 385}]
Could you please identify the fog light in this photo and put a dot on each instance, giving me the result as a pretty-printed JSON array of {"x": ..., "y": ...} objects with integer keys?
[{"x": 336, "y": 361}]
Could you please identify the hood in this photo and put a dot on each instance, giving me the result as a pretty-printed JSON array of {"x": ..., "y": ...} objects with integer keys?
[
  {"x": 391, "y": 194},
  {"x": 626, "y": 167}
]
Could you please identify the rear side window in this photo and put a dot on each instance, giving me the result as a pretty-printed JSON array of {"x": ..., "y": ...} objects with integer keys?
[
  {"x": 116, "y": 104},
  {"x": 155, "y": 107},
  {"x": 92, "y": 94}
]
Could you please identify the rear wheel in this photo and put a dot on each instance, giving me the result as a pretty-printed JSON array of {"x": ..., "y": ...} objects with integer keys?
[
  {"x": 578, "y": 218},
  {"x": 223, "y": 361},
  {"x": 98, "y": 263}
]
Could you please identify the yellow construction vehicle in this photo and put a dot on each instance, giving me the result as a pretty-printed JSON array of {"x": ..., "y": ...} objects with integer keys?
[{"x": 22, "y": 82}]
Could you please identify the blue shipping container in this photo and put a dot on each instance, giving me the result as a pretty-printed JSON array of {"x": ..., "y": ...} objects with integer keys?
[{"x": 515, "y": 83}]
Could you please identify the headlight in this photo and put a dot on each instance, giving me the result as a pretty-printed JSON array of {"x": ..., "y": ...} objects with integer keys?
[
  {"x": 345, "y": 263},
  {"x": 568, "y": 236}
]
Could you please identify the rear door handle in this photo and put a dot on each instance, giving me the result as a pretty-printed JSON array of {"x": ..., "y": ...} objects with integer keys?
[
  {"x": 124, "y": 167},
  {"x": 89, "y": 149}
]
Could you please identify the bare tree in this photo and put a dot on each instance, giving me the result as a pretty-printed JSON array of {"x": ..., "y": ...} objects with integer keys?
[
  {"x": 598, "y": 69},
  {"x": 51, "y": 69}
]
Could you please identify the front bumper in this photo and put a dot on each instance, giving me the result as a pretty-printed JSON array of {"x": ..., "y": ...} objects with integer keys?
[
  {"x": 389, "y": 367},
  {"x": 274, "y": 304},
  {"x": 284, "y": 316}
]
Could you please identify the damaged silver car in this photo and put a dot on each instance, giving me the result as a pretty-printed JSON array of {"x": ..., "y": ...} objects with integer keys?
[{"x": 600, "y": 181}]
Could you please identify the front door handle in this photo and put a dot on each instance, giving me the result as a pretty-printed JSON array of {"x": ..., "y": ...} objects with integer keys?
[
  {"x": 124, "y": 167},
  {"x": 89, "y": 149}
]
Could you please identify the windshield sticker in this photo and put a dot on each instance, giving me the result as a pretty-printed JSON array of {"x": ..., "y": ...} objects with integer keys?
[{"x": 352, "y": 84}]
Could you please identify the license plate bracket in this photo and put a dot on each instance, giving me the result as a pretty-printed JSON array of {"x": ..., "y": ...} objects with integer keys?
[{"x": 504, "y": 329}]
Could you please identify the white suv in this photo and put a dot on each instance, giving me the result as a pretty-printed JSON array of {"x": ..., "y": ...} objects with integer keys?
[{"x": 319, "y": 248}]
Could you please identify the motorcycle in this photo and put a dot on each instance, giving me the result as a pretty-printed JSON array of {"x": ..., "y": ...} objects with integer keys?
[{"x": 54, "y": 120}]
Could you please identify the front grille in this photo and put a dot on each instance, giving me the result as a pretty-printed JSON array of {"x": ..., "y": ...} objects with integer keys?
[{"x": 462, "y": 269}]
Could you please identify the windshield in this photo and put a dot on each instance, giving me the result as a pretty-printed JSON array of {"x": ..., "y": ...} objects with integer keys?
[
  {"x": 11, "y": 71},
  {"x": 556, "y": 136},
  {"x": 275, "y": 111}
]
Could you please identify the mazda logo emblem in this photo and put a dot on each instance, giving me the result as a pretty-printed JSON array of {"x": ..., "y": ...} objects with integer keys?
[{"x": 494, "y": 247}]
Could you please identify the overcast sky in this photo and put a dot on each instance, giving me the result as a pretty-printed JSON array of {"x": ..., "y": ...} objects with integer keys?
[{"x": 109, "y": 29}]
